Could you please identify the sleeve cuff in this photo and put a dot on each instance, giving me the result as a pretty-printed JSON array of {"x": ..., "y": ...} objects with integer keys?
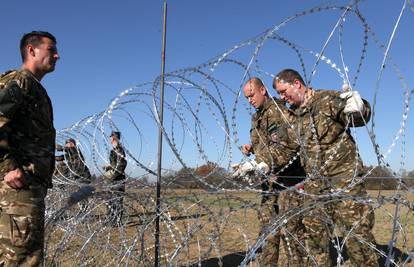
[{"x": 9, "y": 164}]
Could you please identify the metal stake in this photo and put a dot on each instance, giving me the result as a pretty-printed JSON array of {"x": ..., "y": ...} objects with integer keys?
[{"x": 160, "y": 132}]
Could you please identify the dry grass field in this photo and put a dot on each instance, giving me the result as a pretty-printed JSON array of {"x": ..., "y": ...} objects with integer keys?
[{"x": 197, "y": 227}]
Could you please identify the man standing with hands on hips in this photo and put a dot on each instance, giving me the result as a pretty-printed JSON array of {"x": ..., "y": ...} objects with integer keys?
[{"x": 27, "y": 151}]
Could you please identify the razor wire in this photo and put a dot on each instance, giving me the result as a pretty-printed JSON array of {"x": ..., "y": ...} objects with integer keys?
[{"x": 206, "y": 214}]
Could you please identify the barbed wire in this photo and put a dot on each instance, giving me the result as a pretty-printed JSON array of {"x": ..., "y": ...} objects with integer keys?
[{"x": 203, "y": 127}]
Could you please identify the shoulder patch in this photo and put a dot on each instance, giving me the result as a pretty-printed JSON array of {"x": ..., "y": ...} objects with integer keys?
[
  {"x": 272, "y": 128},
  {"x": 273, "y": 132}
]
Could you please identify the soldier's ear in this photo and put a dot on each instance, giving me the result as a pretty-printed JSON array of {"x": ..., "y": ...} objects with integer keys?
[
  {"x": 263, "y": 90},
  {"x": 297, "y": 83},
  {"x": 30, "y": 50}
]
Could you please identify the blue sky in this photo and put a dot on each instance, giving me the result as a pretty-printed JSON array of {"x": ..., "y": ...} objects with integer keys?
[{"x": 107, "y": 47}]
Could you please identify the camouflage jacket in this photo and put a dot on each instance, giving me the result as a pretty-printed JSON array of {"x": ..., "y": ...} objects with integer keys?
[
  {"x": 117, "y": 163},
  {"x": 273, "y": 141},
  {"x": 327, "y": 147},
  {"x": 75, "y": 163},
  {"x": 27, "y": 134}
]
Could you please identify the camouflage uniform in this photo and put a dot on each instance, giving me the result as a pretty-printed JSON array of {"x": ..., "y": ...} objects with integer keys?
[
  {"x": 75, "y": 168},
  {"x": 330, "y": 158},
  {"x": 75, "y": 163},
  {"x": 27, "y": 141},
  {"x": 117, "y": 167},
  {"x": 271, "y": 142}
]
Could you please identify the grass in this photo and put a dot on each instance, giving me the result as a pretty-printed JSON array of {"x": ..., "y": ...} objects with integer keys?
[{"x": 195, "y": 226}]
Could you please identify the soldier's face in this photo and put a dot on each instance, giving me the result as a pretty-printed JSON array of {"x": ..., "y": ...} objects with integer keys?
[
  {"x": 114, "y": 141},
  {"x": 45, "y": 55},
  {"x": 256, "y": 95},
  {"x": 70, "y": 144},
  {"x": 293, "y": 93}
]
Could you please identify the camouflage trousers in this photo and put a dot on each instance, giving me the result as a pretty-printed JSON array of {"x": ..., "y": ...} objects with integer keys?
[
  {"x": 353, "y": 221},
  {"x": 274, "y": 207},
  {"x": 21, "y": 225}
]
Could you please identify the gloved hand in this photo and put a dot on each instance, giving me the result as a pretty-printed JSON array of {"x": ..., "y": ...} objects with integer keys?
[
  {"x": 109, "y": 174},
  {"x": 354, "y": 102},
  {"x": 239, "y": 173},
  {"x": 250, "y": 166}
]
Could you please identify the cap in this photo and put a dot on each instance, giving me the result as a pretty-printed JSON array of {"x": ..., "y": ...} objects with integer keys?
[{"x": 116, "y": 134}]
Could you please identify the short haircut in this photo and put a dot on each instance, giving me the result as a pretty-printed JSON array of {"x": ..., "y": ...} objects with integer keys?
[
  {"x": 256, "y": 81},
  {"x": 71, "y": 140},
  {"x": 34, "y": 38},
  {"x": 287, "y": 76},
  {"x": 116, "y": 134}
]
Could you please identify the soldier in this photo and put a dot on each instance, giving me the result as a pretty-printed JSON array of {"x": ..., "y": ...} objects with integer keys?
[
  {"x": 331, "y": 161},
  {"x": 27, "y": 151},
  {"x": 73, "y": 166},
  {"x": 75, "y": 161},
  {"x": 116, "y": 174},
  {"x": 273, "y": 149}
]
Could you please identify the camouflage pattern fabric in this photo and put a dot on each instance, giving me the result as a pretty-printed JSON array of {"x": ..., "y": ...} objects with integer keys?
[
  {"x": 271, "y": 135},
  {"x": 293, "y": 231},
  {"x": 21, "y": 225},
  {"x": 72, "y": 165},
  {"x": 277, "y": 203},
  {"x": 330, "y": 158},
  {"x": 117, "y": 163},
  {"x": 61, "y": 169},
  {"x": 27, "y": 141},
  {"x": 273, "y": 143},
  {"x": 75, "y": 161},
  {"x": 268, "y": 211},
  {"x": 352, "y": 219},
  {"x": 117, "y": 168},
  {"x": 24, "y": 105},
  {"x": 327, "y": 147}
]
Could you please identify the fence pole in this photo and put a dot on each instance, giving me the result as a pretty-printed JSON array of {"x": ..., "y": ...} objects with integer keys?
[{"x": 160, "y": 133}]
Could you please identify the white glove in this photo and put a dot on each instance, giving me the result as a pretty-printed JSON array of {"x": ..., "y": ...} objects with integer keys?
[
  {"x": 109, "y": 174},
  {"x": 345, "y": 87},
  {"x": 354, "y": 102},
  {"x": 242, "y": 169},
  {"x": 250, "y": 166},
  {"x": 262, "y": 168}
]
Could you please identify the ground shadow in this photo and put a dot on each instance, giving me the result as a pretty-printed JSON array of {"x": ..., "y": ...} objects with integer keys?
[
  {"x": 398, "y": 256},
  {"x": 234, "y": 259},
  {"x": 230, "y": 260}
]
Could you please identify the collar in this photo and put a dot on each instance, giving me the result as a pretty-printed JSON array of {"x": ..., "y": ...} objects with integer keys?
[
  {"x": 30, "y": 74},
  {"x": 269, "y": 102},
  {"x": 309, "y": 99}
]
